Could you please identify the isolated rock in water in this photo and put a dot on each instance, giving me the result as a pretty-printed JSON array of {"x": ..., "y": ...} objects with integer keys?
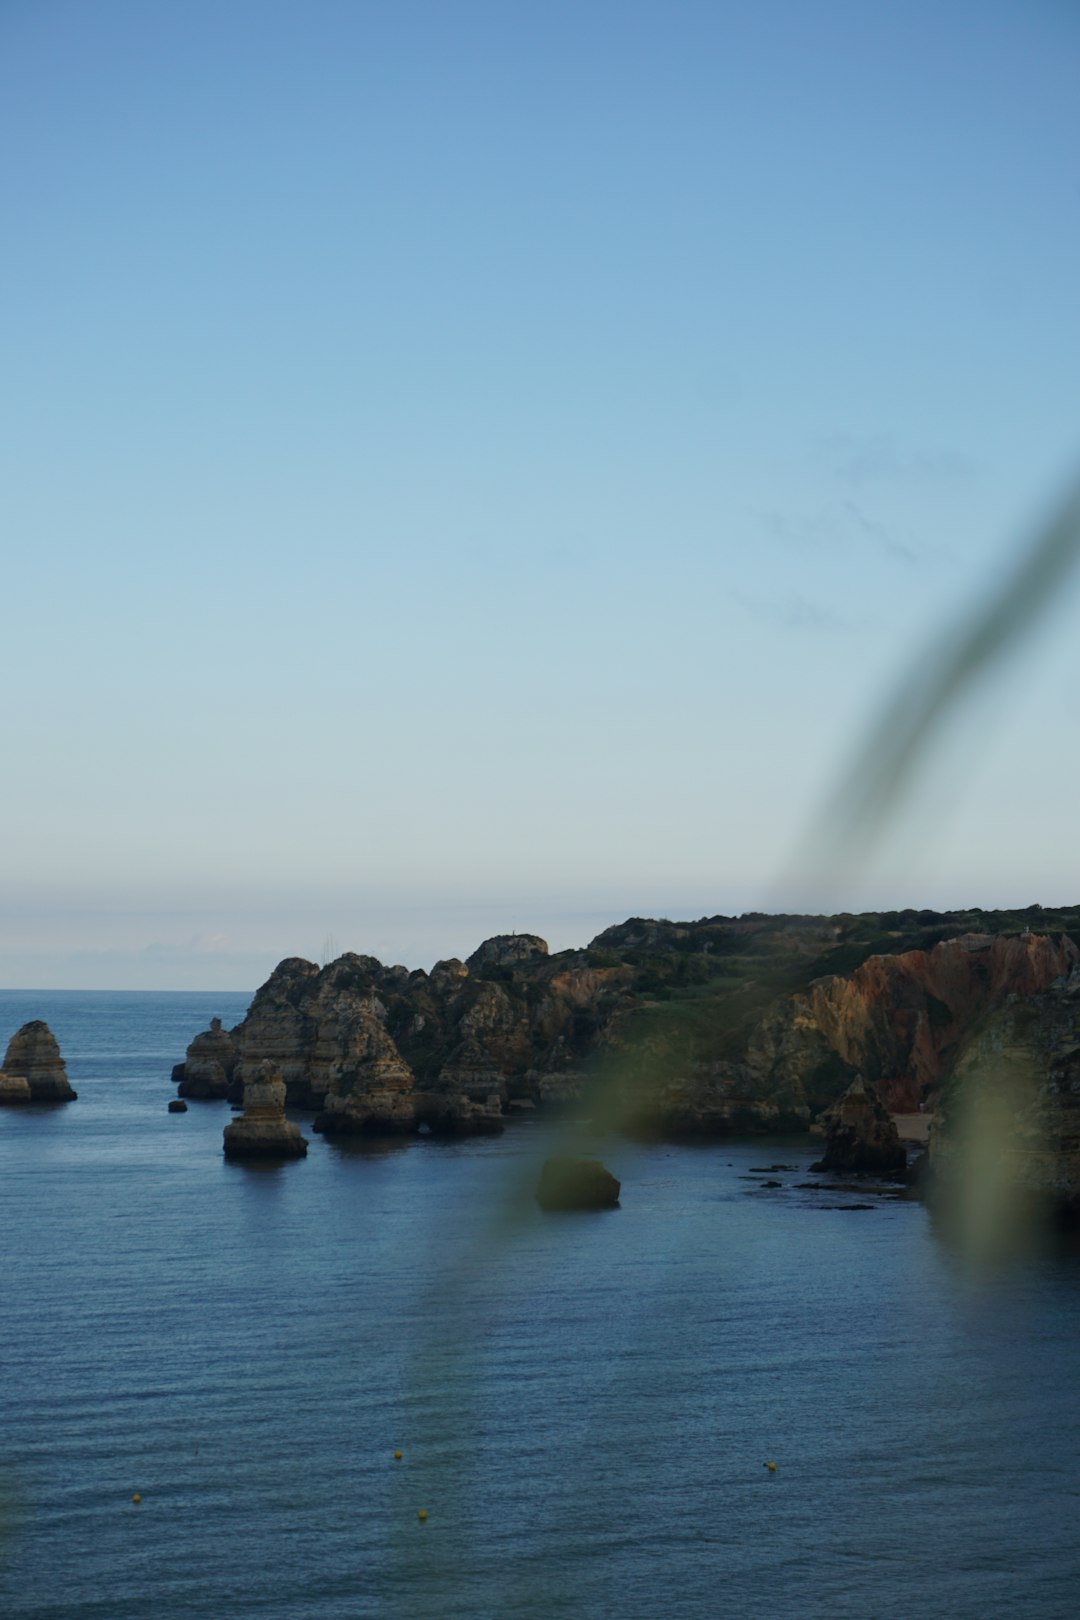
[
  {"x": 177, "y": 1106},
  {"x": 14, "y": 1088},
  {"x": 208, "y": 1067},
  {"x": 576, "y": 1184},
  {"x": 860, "y": 1135},
  {"x": 263, "y": 1132},
  {"x": 33, "y": 1055}
]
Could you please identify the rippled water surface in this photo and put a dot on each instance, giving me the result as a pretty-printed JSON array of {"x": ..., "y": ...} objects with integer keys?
[{"x": 585, "y": 1403}]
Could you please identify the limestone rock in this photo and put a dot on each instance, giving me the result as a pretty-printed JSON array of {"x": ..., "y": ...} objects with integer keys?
[
  {"x": 209, "y": 1064},
  {"x": 576, "y": 1184},
  {"x": 504, "y": 950},
  {"x": 707, "y": 1028},
  {"x": 177, "y": 1105},
  {"x": 33, "y": 1055},
  {"x": 263, "y": 1132},
  {"x": 471, "y": 1071},
  {"x": 14, "y": 1088},
  {"x": 1010, "y": 1116},
  {"x": 860, "y": 1136}
]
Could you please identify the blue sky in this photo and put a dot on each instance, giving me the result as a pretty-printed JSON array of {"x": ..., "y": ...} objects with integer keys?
[{"x": 474, "y": 466}]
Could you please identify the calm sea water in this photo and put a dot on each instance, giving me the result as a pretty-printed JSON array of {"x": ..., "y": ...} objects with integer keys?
[{"x": 585, "y": 1403}]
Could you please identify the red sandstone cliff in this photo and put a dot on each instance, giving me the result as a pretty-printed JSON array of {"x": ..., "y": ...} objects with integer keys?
[{"x": 900, "y": 1020}]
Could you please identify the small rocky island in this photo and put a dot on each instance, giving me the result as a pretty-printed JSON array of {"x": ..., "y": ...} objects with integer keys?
[{"x": 33, "y": 1069}]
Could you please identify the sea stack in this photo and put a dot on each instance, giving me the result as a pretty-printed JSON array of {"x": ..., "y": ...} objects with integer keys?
[
  {"x": 33, "y": 1068},
  {"x": 860, "y": 1135},
  {"x": 263, "y": 1132},
  {"x": 208, "y": 1068}
]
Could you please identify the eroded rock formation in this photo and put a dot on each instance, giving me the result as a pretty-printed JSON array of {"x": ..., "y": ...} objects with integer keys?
[
  {"x": 263, "y": 1131},
  {"x": 860, "y": 1136},
  {"x": 208, "y": 1069},
  {"x": 680, "y": 1029},
  {"x": 899, "y": 1021},
  {"x": 33, "y": 1057}
]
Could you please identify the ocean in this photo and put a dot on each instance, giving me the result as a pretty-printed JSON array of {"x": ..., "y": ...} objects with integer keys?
[{"x": 585, "y": 1404}]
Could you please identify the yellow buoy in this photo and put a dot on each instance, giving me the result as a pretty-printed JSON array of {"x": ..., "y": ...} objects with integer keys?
[
  {"x": 422, "y": 1513},
  {"x": 771, "y": 1467},
  {"x": 136, "y": 1497},
  {"x": 397, "y": 1456}
]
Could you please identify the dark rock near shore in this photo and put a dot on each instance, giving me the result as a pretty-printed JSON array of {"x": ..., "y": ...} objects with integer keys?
[
  {"x": 33, "y": 1069},
  {"x": 861, "y": 1137},
  {"x": 177, "y": 1105},
  {"x": 576, "y": 1184}
]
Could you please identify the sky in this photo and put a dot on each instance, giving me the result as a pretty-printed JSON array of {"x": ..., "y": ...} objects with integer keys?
[{"x": 472, "y": 467}]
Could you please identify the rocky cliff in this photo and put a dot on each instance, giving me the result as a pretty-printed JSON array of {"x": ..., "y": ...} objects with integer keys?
[
  {"x": 680, "y": 1029},
  {"x": 900, "y": 1020},
  {"x": 1009, "y": 1122}
]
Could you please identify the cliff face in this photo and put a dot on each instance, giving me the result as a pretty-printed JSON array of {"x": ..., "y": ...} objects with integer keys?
[
  {"x": 900, "y": 1020},
  {"x": 373, "y": 1048},
  {"x": 691, "y": 1029},
  {"x": 1010, "y": 1116}
]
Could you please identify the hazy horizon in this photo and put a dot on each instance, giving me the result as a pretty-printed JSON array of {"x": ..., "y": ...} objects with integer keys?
[{"x": 481, "y": 467}]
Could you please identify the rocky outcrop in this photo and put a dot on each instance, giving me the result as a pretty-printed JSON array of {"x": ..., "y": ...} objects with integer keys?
[
  {"x": 1008, "y": 1125},
  {"x": 899, "y": 1021},
  {"x": 210, "y": 1063},
  {"x": 577, "y": 1184},
  {"x": 860, "y": 1136},
  {"x": 33, "y": 1056},
  {"x": 505, "y": 950},
  {"x": 377, "y": 1050},
  {"x": 263, "y": 1131},
  {"x": 709, "y": 1028}
]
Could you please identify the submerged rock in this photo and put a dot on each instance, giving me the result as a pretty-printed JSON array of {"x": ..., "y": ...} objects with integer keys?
[
  {"x": 33, "y": 1056},
  {"x": 860, "y": 1136},
  {"x": 577, "y": 1184},
  {"x": 263, "y": 1132}
]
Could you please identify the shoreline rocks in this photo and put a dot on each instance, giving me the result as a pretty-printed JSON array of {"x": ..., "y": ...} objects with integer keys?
[
  {"x": 33, "y": 1070},
  {"x": 673, "y": 1031},
  {"x": 860, "y": 1136}
]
